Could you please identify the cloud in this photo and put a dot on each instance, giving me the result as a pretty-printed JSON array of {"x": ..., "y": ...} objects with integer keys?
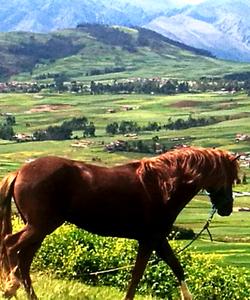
[{"x": 186, "y": 2}]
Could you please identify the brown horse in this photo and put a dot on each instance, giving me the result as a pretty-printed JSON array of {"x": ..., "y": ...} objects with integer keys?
[{"x": 139, "y": 200}]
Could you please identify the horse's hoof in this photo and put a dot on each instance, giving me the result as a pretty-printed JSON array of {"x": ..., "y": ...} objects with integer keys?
[
  {"x": 11, "y": 292},
  {"x": 8, "y": 294}
]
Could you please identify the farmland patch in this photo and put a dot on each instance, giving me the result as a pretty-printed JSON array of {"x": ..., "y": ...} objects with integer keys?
[
  {"x": 186, "y": 103},
  {"x": 48, "y": 108}
]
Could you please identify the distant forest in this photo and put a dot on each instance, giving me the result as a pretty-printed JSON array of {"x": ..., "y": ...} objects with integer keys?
[
  {"x": 243, "y": 76},
  {"x": 145, "y": 38}
]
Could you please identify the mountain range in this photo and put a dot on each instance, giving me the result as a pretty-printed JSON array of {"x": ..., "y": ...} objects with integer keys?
[
  {"x": 220, "y": 26},
  {"x": 48, "y": 15}
]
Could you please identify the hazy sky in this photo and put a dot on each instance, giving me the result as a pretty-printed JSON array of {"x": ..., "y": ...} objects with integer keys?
[
  {"x": 188, "y": 1},
  {"x": 193, "y": 1}
]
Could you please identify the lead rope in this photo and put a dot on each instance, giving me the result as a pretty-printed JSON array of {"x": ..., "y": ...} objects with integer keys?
[{"x": 205, "y": 227}]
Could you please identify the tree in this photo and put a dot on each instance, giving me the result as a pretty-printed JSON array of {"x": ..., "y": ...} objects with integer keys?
[
  {"x": 183, "y": 87},
  {"x": 112, "y": 128},
  {"x": 153, "y": 126},
  {"x": 58, "y": 133},
  {"x": 10, "y": 120},
  {"x": 247, "y": 86},
  {"x": 6, "y": 132},
  {"x": 76, "y": 123},
  {"x": 168, "y": 88},
  {"x": 40, "y": 135},
  {"x": 59, "y": 82},
  {"x": 93, "y": 87},
  {"x": 128, "y": 127},
  {"x": 89, "y": 130}
]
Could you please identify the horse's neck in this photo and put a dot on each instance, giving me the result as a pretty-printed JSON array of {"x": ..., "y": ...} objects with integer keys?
[
  {"x": 204, "y": 176},
  {"x": 179, "y": 199}
]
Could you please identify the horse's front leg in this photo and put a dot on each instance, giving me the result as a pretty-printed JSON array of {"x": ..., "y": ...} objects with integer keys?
[
  {"x": 166, "y": 253},
  {"x": 143, "y": 255}
]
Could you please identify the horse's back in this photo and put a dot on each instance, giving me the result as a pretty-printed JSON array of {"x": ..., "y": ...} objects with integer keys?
[{"x": 108, "y": 201}]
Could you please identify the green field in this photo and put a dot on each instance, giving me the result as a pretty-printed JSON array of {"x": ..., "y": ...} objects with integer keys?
[
  {"x": 50, "y": 288},
  {"x": 34, "y": 110},
  {"x": 231, "y": 235}
]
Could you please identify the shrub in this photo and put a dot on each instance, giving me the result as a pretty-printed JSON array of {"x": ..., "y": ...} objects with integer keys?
[{"x": 73, "y": 253}]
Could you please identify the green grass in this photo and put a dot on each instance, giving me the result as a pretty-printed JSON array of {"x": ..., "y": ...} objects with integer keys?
[
  {"x": 231, "y": 235},
  {"x": 236, "y": 254},
  {"x": 49, "y": 288}
]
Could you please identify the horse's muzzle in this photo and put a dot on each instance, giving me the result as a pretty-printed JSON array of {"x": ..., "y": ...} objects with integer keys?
[{"x": 225, "y": 212}]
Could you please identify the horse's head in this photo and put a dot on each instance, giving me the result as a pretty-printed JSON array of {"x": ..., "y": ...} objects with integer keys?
[
  {"x": 222, "y": 199},
  {"x": 221, "y": 191}
]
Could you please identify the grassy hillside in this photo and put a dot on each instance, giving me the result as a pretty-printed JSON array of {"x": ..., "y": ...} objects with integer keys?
[{"x": 76, "y": 52}]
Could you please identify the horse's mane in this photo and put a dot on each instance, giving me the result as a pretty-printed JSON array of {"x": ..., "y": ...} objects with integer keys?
[{"x": 189, "y": 165}]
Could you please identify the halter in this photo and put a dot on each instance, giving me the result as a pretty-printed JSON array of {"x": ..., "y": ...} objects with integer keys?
[{"x": 205, "y": 227}]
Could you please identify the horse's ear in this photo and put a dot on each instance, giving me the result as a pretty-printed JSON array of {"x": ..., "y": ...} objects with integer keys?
[{"x": 236, "y": 157}]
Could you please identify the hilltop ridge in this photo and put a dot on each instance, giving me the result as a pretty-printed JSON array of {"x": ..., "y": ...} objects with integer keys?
[{"x": 101, "y": 50}]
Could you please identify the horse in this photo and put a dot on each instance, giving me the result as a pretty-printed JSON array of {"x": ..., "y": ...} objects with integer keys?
[{"x": 138, "y": 200}]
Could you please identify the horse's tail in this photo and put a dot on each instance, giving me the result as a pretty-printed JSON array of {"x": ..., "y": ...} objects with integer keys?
[{"x": 6, "y": 192}]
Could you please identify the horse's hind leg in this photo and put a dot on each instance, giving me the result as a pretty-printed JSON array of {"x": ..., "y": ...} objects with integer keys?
[
  {"x": 12, "y": 282},
  {"x": 19, "y": 263},
  {"x": 25, "y": 257}
]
